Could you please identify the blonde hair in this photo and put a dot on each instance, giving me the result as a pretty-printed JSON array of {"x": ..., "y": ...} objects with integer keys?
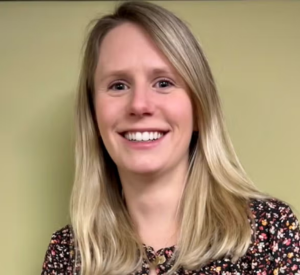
[{"x": 214, "y": 210}]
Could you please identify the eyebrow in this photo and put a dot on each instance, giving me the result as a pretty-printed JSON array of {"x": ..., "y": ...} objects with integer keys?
[{"x": 126, "y": 73}]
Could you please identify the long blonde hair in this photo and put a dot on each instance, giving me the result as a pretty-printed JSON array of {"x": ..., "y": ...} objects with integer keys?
[{"x": 214, "y": 210}]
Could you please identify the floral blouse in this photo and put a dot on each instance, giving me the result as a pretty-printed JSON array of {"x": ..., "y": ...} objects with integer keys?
[{"x": 274, "y": 250}]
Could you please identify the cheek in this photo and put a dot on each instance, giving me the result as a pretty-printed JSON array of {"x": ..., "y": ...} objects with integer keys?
[
  {"x": 181, "y": 112},
  {"x": 105, "y": 115}
]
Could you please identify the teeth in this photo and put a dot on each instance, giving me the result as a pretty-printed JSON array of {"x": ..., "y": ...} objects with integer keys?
[
  {"x": 138, "y": 136},
  {"x": 144, "y": 136}
]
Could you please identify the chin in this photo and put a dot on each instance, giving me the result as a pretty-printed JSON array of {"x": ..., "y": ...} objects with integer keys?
[{"x": 146, "y": 169}]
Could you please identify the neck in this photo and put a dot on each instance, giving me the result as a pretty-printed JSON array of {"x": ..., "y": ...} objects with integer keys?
[{"x": 153, "y": 204}]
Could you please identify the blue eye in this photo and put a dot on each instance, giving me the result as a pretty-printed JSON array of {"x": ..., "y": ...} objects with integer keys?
[
  {"x": 165, "y": 83},
  {"x": 118, "y": 86}
]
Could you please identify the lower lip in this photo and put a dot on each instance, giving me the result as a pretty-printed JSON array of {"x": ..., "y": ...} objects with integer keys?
[{"x": 144, "y": 144}]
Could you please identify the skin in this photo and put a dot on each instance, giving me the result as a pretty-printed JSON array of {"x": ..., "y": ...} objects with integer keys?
[{"x": 144, "y": 98}]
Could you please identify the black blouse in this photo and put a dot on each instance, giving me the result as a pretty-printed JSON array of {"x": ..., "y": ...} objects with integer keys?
[{"x": 274, "y": 250}]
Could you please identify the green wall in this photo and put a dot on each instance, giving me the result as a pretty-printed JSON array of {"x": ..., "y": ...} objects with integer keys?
[{"x": 253, "y": 48}]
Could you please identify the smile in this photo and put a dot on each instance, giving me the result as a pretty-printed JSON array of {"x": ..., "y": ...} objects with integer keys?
[{"x": 143, "y": 136}]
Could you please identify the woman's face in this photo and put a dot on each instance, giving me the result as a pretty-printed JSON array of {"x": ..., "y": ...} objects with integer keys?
[{"x": 143, "y": 109}]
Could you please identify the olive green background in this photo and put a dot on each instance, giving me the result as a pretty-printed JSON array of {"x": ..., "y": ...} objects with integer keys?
[{"x": 253, "y": 48}]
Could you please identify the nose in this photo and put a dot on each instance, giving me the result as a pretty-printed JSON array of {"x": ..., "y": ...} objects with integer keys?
[{"x": 141, "y": 102}]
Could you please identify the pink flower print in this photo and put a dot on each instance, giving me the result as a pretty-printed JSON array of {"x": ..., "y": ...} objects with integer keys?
[
  {"x": 260, "y": 247},
  {"x": 280, "y": 234},
  {"x": 272, "y": 230},
  {"x": 287, "y": 242},
  {"x": 275, "y": 246},
  {"x": 263, "y": 236},
  {"x": 169, "y": 253}
]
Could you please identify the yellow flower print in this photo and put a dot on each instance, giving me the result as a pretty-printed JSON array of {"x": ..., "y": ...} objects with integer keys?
[
  {"x": 264, "y": 222},
  {"x": 293, "y": 226},
  {"x": 290, "y": 255}
]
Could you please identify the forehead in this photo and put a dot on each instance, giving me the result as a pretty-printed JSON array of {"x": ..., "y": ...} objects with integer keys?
[{"x": 127, "y": 47}]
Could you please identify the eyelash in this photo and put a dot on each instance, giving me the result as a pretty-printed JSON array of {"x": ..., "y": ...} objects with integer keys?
[{"x": 161, "y": 80}]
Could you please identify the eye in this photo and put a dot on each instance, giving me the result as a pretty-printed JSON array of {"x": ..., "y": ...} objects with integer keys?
[
  {"x": 164, "y": 83},
  {"x": 118, "y": 86}
]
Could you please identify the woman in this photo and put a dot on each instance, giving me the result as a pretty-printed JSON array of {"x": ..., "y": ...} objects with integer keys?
[{"x": 158, "y": 186}]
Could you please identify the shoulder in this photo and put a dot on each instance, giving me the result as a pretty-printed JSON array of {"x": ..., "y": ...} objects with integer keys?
[
  {"x": 273, "y": 217},
  {"x": 62, "y": 240},
  {"x": 272, "y": 211},
  {"x": 276, "y": 243},
  {"x": 59, "y": 258},
  {"x": 63, "y": 236}
]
